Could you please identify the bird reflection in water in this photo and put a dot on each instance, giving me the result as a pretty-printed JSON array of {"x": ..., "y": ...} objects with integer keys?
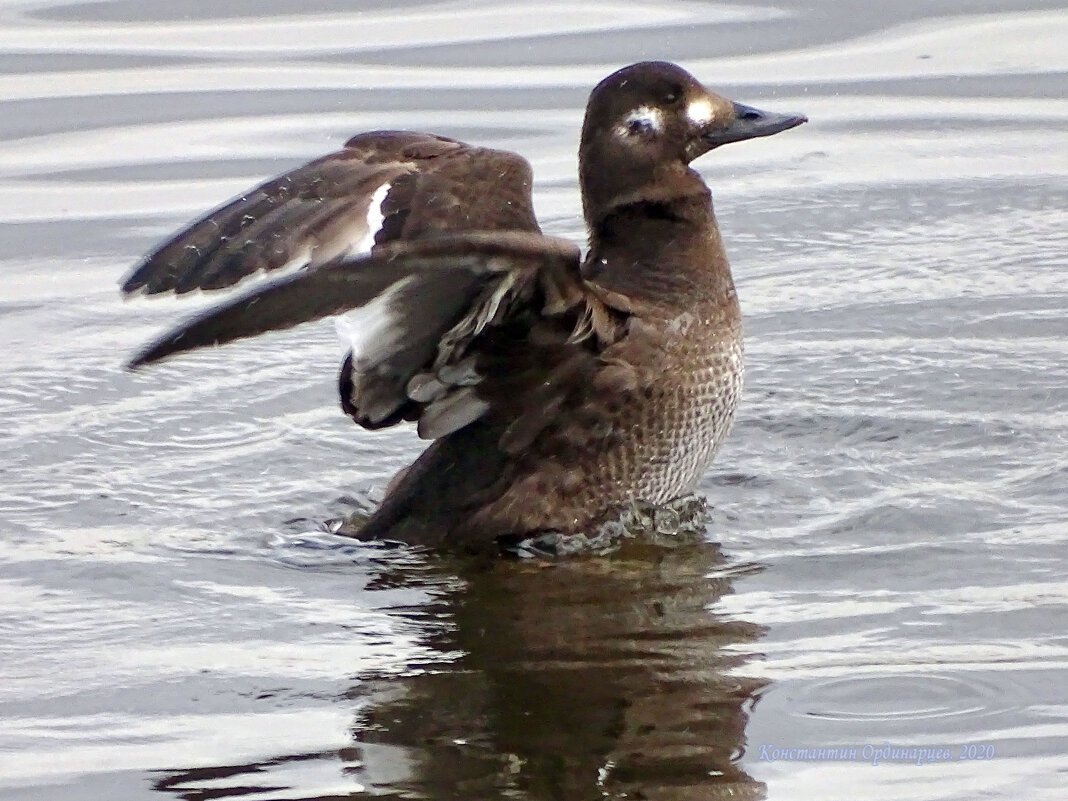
[{"x": 607, "y": 677}]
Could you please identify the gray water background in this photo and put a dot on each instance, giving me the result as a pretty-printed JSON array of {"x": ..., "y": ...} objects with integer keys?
[{"x": 885, "y": 560}]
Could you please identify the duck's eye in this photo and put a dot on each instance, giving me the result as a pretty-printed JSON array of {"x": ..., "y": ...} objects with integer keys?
[{"x": 672, "y": 96}]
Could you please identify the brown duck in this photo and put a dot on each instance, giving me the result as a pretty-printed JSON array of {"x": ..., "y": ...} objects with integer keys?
[{"x": 556, "y": 390}]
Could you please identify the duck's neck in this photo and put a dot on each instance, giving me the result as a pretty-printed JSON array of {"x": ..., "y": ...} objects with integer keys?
[{"x": 665, "y": 250}]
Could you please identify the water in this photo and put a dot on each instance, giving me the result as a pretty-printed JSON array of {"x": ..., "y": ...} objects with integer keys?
[{"x": 885, "y": 559}]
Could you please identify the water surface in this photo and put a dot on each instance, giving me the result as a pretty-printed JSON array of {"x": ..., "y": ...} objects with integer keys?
[{"x": 884, "y": 563}]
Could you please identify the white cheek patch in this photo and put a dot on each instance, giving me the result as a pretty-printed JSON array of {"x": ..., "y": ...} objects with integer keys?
[
  {"x": 699, "y": 111},
  {"x": 643, "y": 120}
]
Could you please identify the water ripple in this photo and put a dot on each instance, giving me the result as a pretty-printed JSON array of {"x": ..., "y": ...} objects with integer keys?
[{"x": 891, "y": 504}]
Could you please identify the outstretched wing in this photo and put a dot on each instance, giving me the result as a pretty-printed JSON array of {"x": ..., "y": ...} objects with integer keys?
[
  {"x": 431, "y": 307},
  {"x": 382, "y": 187},
  {"x": 462, "y": 305}
]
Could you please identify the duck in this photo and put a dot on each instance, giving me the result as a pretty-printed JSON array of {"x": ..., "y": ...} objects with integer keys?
[{"x": 555, "y": 388}]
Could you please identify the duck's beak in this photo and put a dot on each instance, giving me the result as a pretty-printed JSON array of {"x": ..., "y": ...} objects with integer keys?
[{"x": 748, "y": 123}]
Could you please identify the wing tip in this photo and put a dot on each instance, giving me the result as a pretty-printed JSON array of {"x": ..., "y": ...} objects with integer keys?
[
  {"x": 147, "y": 356},
  {"x": 169, "y": 345},
  {"x": 146, "y": 279},
  {"x": 133, "y": 282}
]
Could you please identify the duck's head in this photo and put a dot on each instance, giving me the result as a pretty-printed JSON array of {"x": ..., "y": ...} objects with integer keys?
[{"x": 653, "y": 118}]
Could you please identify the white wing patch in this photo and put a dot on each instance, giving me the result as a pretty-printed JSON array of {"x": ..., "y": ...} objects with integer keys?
[
  {"x": 350, "y": 236},
  {"x": 375, "y": 218},
  {"x": 372, "y": 331},
  {"x": 643, "y": 120},
  {"x": 700, "y": 111}
]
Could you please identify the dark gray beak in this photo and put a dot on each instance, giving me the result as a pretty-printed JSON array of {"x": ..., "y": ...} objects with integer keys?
[{"x": 749, "y": 123}]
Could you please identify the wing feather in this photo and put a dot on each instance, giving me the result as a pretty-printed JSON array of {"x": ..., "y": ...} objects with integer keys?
[
  {"x": 465, "y": 306},
  {"x": 322, "y": 210},
  {"x": 340, "y": 286}
]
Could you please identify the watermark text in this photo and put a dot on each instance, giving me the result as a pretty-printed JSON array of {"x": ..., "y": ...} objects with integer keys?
[{"x": 876, "y": 754}]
